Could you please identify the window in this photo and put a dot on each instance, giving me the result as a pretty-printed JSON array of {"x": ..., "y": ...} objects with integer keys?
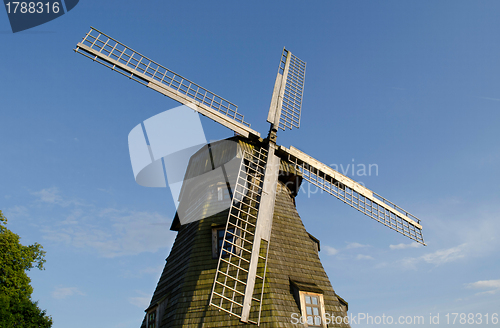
[
  {"x": 312, "y": 306},
  {"x": 154, "y": 313},
  {"x": 223, "y": 193},
  {"x": 309, "y": 298},
  {"x": 229, "y": 238},
  {"x": 152, "y": 319},
  {"x": 220, "y": 193},
  {"x": 231, "y": 242}
]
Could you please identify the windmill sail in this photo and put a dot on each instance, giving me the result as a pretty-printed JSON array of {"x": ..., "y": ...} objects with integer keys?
[
  {"x": 354, "y": 194},
  {"x": 286, "y": 102},
  {"x": 239, "y": 281},
  {"x": 122, "y": 59}
]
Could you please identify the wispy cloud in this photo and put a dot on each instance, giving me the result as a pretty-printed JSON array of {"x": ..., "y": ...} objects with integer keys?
[
  {"x": 405, "y": 246},
  {"x": 52, "y": 196},
  {"x": 108, "y": 191},
  {"x": 119, "y": 232},
  {"x": 465, "y": 238},
  {"x": 356, "y": 245},
  {"x": 364, "y": 257},
  {"x": 140, "y": 301},
  {"x": 151, "y": 270},
  {"x": 330, "y": 250},
  {"x": 489, "y": 98},
  {"x": 73, "y": 218},
  {"x": 49, "y": 195},
  {"x": 438, "y": 257},
  {"x": 155, "y": 271},
  {"x": 485, "y": 284},
  {"x": 17, "y": 212},
  {"x": 64, "y": 292},
  {"x": 445, "y": 255},
  {"x": 492, "y": 285},
  {"x": 110, "y": 231},
  {"x": 334, "y": 251}
]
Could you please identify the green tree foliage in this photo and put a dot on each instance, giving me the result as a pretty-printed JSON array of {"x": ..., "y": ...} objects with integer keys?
[{"x": 16, "y": 307}]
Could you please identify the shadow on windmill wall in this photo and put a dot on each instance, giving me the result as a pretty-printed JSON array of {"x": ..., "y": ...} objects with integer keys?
[{"x": 165, "y": 145}]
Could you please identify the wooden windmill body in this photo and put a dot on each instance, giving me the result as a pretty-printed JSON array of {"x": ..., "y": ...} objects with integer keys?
[
  {"x": 182, "y": 296},
  {"x": 242, "y": 255}
]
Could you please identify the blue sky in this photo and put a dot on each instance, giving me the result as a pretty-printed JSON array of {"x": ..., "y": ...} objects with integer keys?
[{"x": 413, "y": 87}]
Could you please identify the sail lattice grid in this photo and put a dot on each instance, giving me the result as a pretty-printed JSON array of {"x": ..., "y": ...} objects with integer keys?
[
  {"x": 111, "y": 52},
  {"x": 232, "y": 273},
  {"x": 378, "y": 208},
  {"x": 294, "y": 90}
]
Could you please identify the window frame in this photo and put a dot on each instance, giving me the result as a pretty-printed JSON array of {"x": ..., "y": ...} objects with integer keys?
[
  {"x": 149, "y": 313},
  {"x": 321, "y": 308},
  {"x": 215, "y": 241},
  {"x": 223, "y": 193}
]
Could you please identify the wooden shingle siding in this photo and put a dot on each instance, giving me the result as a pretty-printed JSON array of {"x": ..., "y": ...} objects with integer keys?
[{"x": 183, "y": 290}]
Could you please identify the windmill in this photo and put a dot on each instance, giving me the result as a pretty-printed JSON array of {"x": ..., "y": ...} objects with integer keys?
[{"x": 239, "y": 287}]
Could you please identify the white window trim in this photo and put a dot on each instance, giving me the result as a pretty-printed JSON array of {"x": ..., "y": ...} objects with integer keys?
[{"x": 321, "y": 307}]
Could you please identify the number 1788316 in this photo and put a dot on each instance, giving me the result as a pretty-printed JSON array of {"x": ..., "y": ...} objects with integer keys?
[{"x": 33, "y": 7}]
